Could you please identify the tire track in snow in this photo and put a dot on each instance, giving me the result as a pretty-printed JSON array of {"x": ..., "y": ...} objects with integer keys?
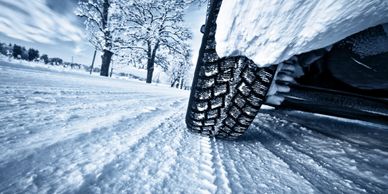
[
  {"x": 62, "y": 106},
  {"x": 144, "y": 165},
  {"x": 193, "y": 171},
  {"x": 343, "y": 162},
  {"x": 362, "y": 134},
  {"x": 231, "y": 169},
  {"x": 31, "y": 114},
  {"x": 157, "y": 161},
  {"x": 299, "y": 163},
  {"x": 253, "y": 168},
  {"x": 241, "y": 177},
  {"x": 206, "y": 165},
  {"x": 64, "y": 116},
  {"x": 222, "y": 181},
  {"x": 62, "y": 167},
  {"x": 72, "y": 130},
  {"x": 307, "y": 165}
]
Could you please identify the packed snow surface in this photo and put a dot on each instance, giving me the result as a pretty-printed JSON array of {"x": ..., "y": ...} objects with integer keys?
[
  {"x": 269, "y": 32},
  {"x": 66, "y": 132}
]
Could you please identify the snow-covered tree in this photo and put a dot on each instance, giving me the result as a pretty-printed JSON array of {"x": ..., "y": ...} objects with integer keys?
[
  {"x": 99, "y": 25},
  {"x": 179, "y": 68},
  {"x": 197, "y": 2},
  {"x": 150, "y": 26}
]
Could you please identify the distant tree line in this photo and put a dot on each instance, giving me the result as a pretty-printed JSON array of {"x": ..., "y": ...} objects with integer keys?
[{"x": 20, "y": 52}]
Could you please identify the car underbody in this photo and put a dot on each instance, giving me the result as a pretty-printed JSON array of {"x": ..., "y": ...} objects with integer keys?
[{"x": 348, "y": 78}]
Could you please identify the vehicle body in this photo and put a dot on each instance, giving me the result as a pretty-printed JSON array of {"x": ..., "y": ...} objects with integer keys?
[{"x": 342, "y": 72}]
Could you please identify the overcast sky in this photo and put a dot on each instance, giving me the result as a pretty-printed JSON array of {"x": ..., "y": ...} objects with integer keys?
[{"x": 52, "y": 27}]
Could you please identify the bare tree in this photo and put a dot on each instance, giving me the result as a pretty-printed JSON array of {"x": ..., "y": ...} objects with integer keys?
[
  {"x": 149, "y": 26},
  {"x": 98, "y": 22}
]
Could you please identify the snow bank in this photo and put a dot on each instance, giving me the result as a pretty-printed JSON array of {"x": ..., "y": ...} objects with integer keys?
[
  {"x": 159, "y": 75},
  {"x": 269, "y": 32}
]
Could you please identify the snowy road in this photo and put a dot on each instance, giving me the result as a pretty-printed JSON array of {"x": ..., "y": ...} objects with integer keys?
[{"x": 72, "y": 133}]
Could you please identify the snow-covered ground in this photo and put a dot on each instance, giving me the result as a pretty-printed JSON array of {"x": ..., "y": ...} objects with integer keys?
[
  {"x": 41, "y": 65},
  {"x": 272, "y": 32},
  {"x": 64, "y": 132},
  {"x": 121, "y": 71}
]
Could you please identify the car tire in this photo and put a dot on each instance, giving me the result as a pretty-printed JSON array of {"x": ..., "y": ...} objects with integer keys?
[{"x": 226, "y": 93}]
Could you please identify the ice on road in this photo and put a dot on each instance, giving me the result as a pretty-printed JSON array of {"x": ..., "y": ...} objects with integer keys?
[{"x": 75, "y": 133}]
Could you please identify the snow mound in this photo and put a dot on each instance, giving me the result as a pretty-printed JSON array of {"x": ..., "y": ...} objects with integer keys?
[{"x": 269, "y": 32}]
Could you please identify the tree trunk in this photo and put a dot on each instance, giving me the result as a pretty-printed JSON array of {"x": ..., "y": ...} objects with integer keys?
[
  {"x": 92, "y": 66},
  {"x": 150, "y": 71},
  {"x": 151, "y": 61},
  {"x": 106, "y": 58},
  {"x": 174, "y": 82},
  {"x": 107, "y": 54},
  {"x": 181, "y": 85}
]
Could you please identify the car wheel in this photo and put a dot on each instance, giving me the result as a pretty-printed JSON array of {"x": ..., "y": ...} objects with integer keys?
[{"x": 227, "y": 92}]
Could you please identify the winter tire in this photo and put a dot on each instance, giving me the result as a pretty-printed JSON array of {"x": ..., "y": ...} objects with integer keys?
[{"x": 226, "y": 92}]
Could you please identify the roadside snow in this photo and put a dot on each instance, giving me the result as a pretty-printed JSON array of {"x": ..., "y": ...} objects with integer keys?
[
  {"x": 40, "y": 65},
  {"x": 269, "y": 32},
  {"x": 120, "y": 71}
]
